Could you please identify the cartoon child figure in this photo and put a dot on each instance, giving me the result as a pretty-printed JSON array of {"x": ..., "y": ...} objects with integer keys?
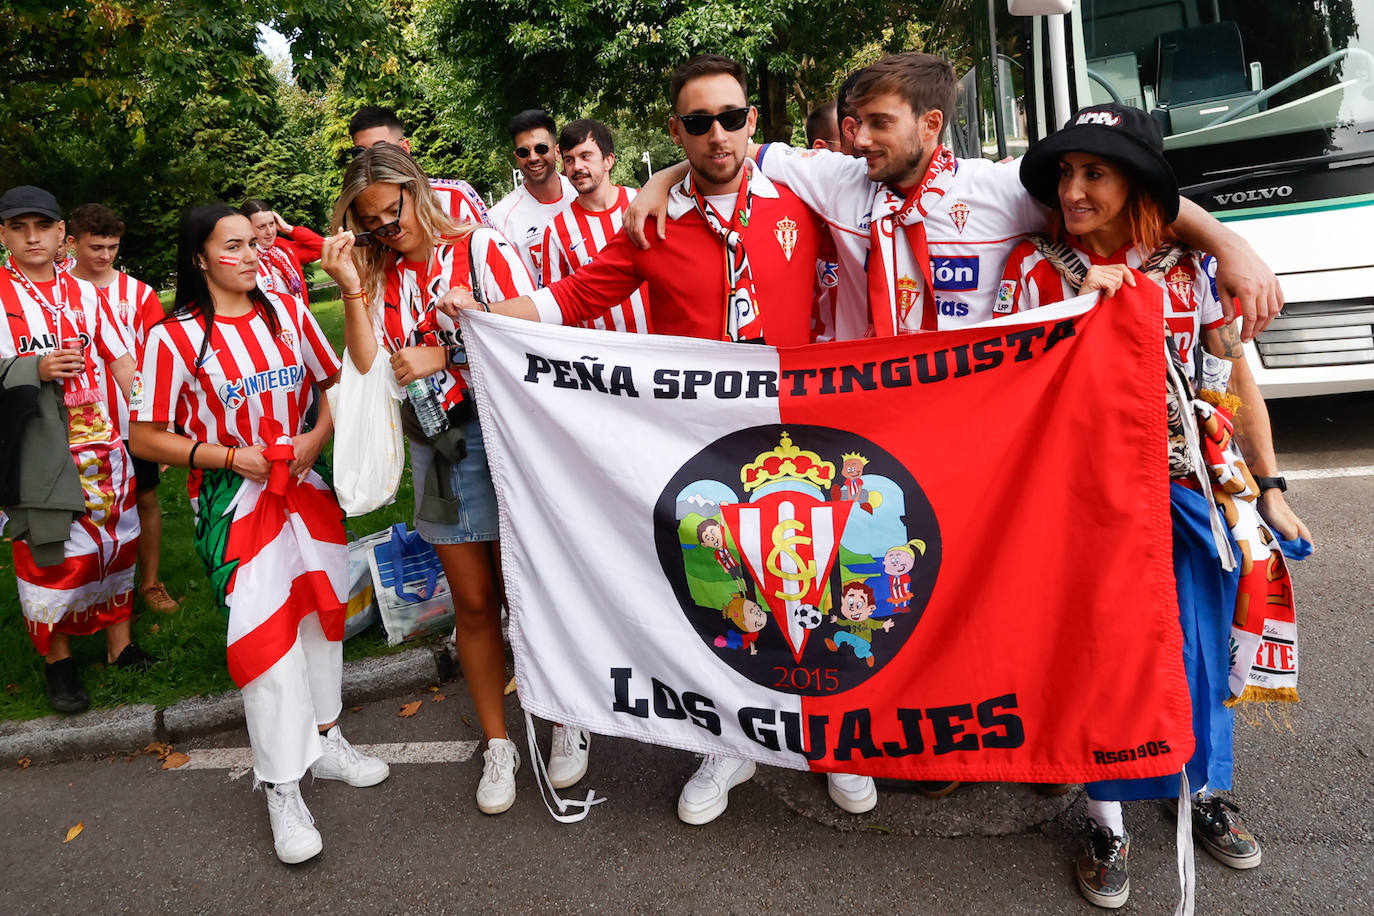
[
  {"x": 856, "y": 629},
  {"x": 710, "y": 533},
  {"x": 749, "y": 617},
  {"x": 852, "y": 486},
  {"x": 897, "y": 565}
]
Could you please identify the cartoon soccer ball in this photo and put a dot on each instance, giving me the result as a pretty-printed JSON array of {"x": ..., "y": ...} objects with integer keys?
[{"x": 807, "y": 616}]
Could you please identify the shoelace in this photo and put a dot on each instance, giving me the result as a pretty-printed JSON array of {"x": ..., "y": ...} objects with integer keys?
[
  {"x": 567, "y": 741},
  {"x": 1106, "y": 845},
  {"x": 1218, "y": 811},
  {"x": 497, "y": 759},
  {"x": 345, "y": 750},
  {"x": 294, "y": 812}
]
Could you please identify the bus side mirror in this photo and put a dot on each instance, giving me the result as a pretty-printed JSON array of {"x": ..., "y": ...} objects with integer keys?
[{"x": 1039, "y": 7}]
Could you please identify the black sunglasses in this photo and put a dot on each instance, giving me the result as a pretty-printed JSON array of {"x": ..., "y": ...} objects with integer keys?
[
  {"x": 698, "y": 124},
  {"x": 384, "y": 231},
  {"x": 523, "y": 152}
]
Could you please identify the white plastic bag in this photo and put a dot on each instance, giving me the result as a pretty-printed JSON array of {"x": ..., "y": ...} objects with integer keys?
[{"x": 369, "y": 451}]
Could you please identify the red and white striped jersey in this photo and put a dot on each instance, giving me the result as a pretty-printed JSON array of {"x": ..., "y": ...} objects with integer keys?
[
  {"x": 135, "y": 306},
  {"x": 34, "y": 327},
  {"x": 1191, "y": 303},
  {"x": 460, "y": 200},
  {"x": 574, "y": 237},
  {"x": 409, "y": 317},
  {"x": 248, "y": 373}
]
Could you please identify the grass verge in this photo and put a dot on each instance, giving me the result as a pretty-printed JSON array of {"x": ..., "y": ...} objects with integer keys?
[{"x": 190, "y": 642}]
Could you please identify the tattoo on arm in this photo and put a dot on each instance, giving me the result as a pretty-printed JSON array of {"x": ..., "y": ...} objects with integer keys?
[{"x": 1228, "y": 341}]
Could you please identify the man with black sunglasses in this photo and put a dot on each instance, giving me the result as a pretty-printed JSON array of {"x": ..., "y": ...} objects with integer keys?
[
  {"x": 523, "y": 213},
  {"x": 739, "y": 265},
  {"x": 374, "y": 124}
]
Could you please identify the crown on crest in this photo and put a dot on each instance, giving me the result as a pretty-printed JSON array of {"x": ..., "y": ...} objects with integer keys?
[
  {"x": 787, "y": 462},
  {"x": 847, "y": 456}
]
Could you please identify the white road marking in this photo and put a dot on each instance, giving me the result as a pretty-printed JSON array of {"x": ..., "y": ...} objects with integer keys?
[
  {"x": 239, "y": 760},
  {"x": 1324, "y": 473}
]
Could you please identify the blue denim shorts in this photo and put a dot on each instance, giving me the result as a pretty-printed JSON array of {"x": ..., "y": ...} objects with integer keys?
[{"x": 471, "y": 480}]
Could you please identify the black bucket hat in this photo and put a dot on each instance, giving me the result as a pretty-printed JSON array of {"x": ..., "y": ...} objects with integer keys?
[{"x": 1117, "y": 132}]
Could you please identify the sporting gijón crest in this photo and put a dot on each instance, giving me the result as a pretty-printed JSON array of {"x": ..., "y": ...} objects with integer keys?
[{"x": 802, "y": 555}]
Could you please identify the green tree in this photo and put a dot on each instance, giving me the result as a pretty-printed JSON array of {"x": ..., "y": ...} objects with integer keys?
[
  {"x": 151, "y": 105},
  {"x": 612, "y": 58}
]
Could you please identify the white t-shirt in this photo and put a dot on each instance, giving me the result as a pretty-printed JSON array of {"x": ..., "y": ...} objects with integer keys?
[
  {"x": 521, "y": 218},
  {"x": 970, "y": 232}
]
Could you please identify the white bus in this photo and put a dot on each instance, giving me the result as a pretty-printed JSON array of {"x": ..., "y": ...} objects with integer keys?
[{"x": 1267, "y": 108}]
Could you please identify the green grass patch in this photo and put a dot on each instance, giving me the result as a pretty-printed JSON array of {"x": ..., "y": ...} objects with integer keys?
[{"x": 191, "y": 642}]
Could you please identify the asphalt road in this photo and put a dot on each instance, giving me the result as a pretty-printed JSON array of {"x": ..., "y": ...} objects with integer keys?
[{"x": 198, "y": 841}]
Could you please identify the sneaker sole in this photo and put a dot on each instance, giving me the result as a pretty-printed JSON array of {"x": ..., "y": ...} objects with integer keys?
[
  {"x": 1107, "y": 902},
  {"x": 708, "y": 814},
  {"x": 498, "y": 808},
  {"x": 303, "y": 855},
  {"x": 363, "y": 784},
  {"x": 1238, "y": 863},
  {"x": 854, "y": 805}
]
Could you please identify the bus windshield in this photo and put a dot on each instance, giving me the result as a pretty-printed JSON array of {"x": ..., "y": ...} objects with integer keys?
[{"x": 1219, "y": 75}]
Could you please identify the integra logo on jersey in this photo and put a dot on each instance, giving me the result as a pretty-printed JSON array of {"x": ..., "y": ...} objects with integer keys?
[
  {"x": 233, "y": 393},
  {"x": 955, "y": 274}
]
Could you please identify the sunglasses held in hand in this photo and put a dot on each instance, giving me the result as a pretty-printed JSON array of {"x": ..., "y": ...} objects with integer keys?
[{"x": 384, "y": 231}]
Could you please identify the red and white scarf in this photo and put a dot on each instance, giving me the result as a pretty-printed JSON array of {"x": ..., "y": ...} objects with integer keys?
[
  {"x": 894, "y": 267},
  {"x": 743, "y": 322},
  {"x": 279, "y": 266},
  {"x": 68, "y": 322}
]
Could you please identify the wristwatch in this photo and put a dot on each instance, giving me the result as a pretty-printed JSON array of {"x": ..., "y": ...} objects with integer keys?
[{"x": 1272, "y": 483}]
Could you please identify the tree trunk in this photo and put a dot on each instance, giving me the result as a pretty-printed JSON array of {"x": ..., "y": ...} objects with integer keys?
[{"x": 774, "y": 122}]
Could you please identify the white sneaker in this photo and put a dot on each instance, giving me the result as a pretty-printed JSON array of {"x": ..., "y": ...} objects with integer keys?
[
  {"x": 496, "y": 789},
  {"x": 855, "y": 794},
  {"x": 342, "y": 761},
  {"x": 568, "y": 755},
  {"x": 293, "y": 829},
  {"x": 707, "y": 793}
]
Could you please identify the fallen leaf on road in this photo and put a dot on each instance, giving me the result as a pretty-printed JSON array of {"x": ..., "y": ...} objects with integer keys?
[
  {"x": 356, "y": 709},
  {"x": 24, "y": 763},
  {"x": 178, "y": 759},
  {"x": 434, "y": 690},
  {"x": 439, "y": 698},
  {"x": 465, "y": 720},
  {"x": 510, "y": 688},
  {"x": 409, "y": 709},
  {"x": 158, "y": 748},
  {"x": 74, "y": 832}
]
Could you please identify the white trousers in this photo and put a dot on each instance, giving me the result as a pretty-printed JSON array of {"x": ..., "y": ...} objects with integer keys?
[{"x": 285, "y": 705}]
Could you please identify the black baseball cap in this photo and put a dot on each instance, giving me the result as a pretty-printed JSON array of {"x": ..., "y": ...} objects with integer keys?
[
  {"x": 28, "y": 199},
  {"x": 1123, "y": 134}
]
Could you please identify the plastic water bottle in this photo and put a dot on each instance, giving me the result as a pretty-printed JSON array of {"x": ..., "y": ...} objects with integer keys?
[{"x": 428, "y": 410}]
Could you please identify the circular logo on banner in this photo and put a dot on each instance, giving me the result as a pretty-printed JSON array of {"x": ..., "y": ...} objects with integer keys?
[{"x": 803, "y": 556}]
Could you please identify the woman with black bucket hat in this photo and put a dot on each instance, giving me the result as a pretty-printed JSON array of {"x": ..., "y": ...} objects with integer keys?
[{"x": 1112, "y": 195}]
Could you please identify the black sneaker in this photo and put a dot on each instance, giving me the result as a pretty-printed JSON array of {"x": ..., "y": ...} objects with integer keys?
[
  {"x": 1216, "y": 823},
  {"x": 1102, "y": 874},
  {"x": 65, "y": 693},
  {"x": 136, "y": 658}
]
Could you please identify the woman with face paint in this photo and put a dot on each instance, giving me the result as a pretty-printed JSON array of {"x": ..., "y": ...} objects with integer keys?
[
  {"x": 232, "y": 367},
  {"x": 396, "y": 256},
  {"x": 1112, "y": 193}
]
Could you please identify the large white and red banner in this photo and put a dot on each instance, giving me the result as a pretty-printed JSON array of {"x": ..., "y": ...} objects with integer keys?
[{"x": 935, "y": 556}]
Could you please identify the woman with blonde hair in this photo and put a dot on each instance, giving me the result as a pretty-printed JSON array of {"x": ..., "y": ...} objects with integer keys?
[{"x": 395, "y": 255}]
